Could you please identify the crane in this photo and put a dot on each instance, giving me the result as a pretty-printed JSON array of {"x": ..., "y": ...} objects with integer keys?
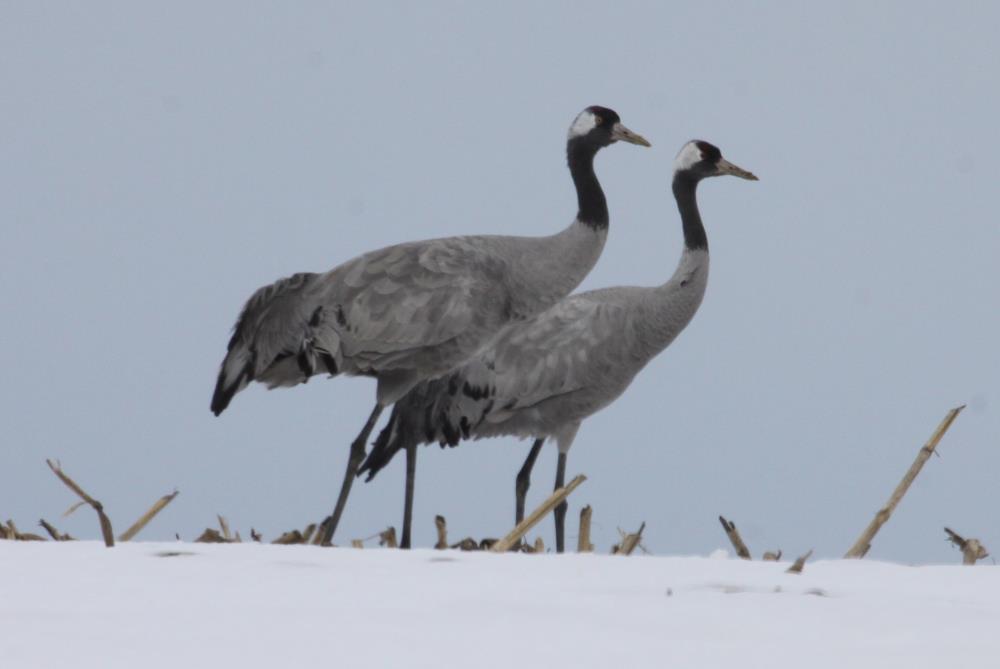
[
  {"x": 413, "y": 311},
  {"x": 542, "y": 377}
]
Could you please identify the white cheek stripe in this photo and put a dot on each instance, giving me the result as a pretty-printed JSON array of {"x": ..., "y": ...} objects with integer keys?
[
  {"x": 584, "y": 123},
  {"x": 687, "y": 157}
]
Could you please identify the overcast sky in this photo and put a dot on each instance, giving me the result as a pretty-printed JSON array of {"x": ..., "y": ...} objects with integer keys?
[{"x": 161, "y": 163}]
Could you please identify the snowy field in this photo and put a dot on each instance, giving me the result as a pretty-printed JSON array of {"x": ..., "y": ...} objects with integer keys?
[{"x": 198, "y": 605}]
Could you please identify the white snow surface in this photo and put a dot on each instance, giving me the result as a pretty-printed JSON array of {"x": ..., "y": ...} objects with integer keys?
[{"x": 249, "y": 605}]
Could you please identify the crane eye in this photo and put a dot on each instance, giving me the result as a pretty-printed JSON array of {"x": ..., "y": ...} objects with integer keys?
[{"x": 598, "y": 120}]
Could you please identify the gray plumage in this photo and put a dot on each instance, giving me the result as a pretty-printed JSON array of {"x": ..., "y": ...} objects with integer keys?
[
  {"x": 541, "y": 378},
  {"x": 402, "y": 313},
  {"x": 413, "y": 311}
]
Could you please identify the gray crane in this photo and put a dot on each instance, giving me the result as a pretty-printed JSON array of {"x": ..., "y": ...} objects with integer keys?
[
  {"x": 416, "y": 310},
  {"x": 541, "y": 378}
]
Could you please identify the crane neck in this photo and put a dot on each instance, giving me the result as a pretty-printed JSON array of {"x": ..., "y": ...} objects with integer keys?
[
  {"x": 669, "y": 308},
  {"x": 543, "y": 270},
  {"x": 685, "y": 185},
  {"x": 593, "y": 207}
]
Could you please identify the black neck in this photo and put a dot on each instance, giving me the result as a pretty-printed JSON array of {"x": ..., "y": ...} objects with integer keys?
[
  {"x": 590, "y": 198},
  {"x": 685, "y": 184}
]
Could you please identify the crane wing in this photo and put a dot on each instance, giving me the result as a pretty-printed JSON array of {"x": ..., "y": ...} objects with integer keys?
[
  {"x": 370, "y": 314},
  {"x": 414, "y": 295},
  {"x": 561, "y": 350}
]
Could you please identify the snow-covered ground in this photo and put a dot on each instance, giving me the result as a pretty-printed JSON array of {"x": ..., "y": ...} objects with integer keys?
[{"x": 248, "y": 605}]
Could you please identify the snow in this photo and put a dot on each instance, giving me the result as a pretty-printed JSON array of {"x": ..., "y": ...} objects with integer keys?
[{"x": 249, "y": 605}]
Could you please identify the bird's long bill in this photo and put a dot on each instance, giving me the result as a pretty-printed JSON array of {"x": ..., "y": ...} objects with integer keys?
[
  {"x": 726, "y": 167},
  {"x": 620, "y": 132}
]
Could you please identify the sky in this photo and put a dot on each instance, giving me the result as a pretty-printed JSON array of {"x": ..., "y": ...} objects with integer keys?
[{"x": 160, "y": 163}]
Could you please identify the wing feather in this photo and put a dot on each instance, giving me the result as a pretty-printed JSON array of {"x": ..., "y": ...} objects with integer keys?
[
  {"x": 566, "y": 349},
  {"x": 558, "y": 352},
  {"x": 413, "y": 295}
]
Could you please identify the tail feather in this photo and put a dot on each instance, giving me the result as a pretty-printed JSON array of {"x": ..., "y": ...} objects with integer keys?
[
  {"x": 412, "y": 422},
  {"x": 444, "y": 411},
  {"x": 281, "y": 338},
  {"x": 224, "y": 392},
  {"x": 235, "y": 373},
  {"x": 389, "y": 441}
]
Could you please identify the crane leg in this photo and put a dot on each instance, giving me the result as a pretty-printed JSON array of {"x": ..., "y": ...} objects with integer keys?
[
  {"x": 411, "y": 472},
  {"x": 560, "y": 511},
  {"x": 353, "y": 462},
  {"x": 523, "y": 481}
]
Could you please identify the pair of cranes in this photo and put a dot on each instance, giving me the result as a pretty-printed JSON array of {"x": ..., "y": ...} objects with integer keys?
[{"x": 471, "y": 337}]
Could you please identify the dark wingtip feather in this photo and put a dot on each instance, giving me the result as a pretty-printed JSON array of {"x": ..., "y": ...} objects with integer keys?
[
  {"x": 414, "y": 420},
  {"x": 383, "y": 450},
  {"x": 219, "y": 404},
  {"x": 223, "y": 394},
  {"x": 221, "y": 398}
]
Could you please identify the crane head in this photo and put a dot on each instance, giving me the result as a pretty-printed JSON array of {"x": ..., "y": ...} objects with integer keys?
[
  {"x": 602, "y": 127},
  {"x": 701, "y": 159}
]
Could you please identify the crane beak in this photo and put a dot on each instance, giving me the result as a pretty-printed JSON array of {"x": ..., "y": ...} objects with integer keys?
[
  {"x": 726, "y": 167},
  {"x": 620, "y": 132}
]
